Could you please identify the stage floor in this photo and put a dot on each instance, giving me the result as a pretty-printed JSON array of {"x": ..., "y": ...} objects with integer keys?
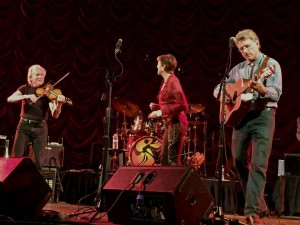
[
  {"x": 68, "y": 213},
  {"x": 63, "y": 213}
]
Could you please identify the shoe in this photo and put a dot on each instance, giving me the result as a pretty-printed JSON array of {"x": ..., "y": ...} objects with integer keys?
[
  {"x": 265, "y": 213},
  {"x": 253, "y": 220}
]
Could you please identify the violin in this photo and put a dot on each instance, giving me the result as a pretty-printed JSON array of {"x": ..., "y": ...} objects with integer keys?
[{"x": 49, "y": 91}]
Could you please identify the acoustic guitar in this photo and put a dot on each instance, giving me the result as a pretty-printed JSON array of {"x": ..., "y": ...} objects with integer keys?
[{"x": 238, "y": 98}]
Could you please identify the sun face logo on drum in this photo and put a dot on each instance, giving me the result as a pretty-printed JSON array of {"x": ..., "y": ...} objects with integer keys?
[{"x": 142, "y": 142}]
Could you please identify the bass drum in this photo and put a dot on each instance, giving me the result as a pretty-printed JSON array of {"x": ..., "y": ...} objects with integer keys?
[{"x": 146, "y": 151}]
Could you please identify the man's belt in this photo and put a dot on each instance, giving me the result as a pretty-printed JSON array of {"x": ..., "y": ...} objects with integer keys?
[{"x": 32, "y": 121}]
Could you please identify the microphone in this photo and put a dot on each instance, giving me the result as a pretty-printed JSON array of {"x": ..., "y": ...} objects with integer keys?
[
  {"x": 118, "y": 46},
  {"x": 232, "y": 40}
]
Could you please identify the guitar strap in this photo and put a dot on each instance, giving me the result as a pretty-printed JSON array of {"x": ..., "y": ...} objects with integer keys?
[{"x": 263, "y": 65}]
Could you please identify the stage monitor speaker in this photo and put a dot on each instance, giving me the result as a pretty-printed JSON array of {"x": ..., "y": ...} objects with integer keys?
[
  {"x": 23, "y": 190},
  {"x": 157, "y": 195}
]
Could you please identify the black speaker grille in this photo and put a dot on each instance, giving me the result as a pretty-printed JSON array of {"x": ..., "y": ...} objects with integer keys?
[{"x": 160, "y": 195}]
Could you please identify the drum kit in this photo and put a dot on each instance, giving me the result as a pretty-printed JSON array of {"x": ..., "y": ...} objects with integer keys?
[{"x": 142, "y": 142}]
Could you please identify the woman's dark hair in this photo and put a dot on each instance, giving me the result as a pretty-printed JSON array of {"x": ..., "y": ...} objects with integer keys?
[{"x": 169, "y": 61}]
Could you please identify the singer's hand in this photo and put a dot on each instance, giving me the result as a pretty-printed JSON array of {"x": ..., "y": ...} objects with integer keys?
[
  {"x": 258, "y": 86},
  {"x": 151, "y": 105},
  {"x": 228, "y": 98},
  {"x": 155, "y": 114},
  {"x": 61, "y": 99}
]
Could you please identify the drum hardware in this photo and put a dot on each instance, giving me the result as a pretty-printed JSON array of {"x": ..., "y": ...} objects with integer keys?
[
  {"x": 139, "y": 128},
  {"x": 155, "y": 127},
  {"x": 137, "y": 123},
  {"x": 193, "y": 158},
  {"x": 194, "y": 125},
  {"x": 123, "y": 133},
  {"x": 197, "y": 159},
  {"x": 115, "y": 158},
  {"x": 195, "y": 135},
  {"x": 187, "y": 141}
]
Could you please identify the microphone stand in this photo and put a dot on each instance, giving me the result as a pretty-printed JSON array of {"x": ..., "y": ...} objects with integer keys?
[
  {"x": 110, "y": 80},
  {"x": 102, "y": 168},
  {"x": 219, "y": 214}
]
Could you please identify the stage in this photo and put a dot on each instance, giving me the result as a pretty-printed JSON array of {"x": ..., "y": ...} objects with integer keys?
[
  {"x": 62, "y": 213},
  {"x": 132, "y": 195}
]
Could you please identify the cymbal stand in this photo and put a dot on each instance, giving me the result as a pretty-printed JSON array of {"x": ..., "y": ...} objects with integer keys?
[
  {"x": 187, "y": 154},
  {"x": 124, "y": 131},
  {"x": 195, "y": 135},
  {"x": 114, "y": 157},
  {"x": 114, "y": 160},
  {"x": 124, "y": 138}
]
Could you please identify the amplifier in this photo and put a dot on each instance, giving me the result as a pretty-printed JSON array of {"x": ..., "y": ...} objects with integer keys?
[
  {"x": 50, "y": 176},
  {"x": 4, "y": 146},
  {"x": 292, "y": 165},
  {"x": 54, "y": 155}
]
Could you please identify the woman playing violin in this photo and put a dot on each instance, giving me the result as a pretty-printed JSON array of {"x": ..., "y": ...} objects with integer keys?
[{"x": 33, "y": 126}]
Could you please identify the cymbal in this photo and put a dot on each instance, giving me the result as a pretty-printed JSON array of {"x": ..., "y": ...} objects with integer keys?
[
  {"x": 195, "y": 108},
  {"x": 128, "y": 108}
]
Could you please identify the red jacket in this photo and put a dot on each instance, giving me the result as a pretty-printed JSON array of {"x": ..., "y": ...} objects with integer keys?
[{"x": 171, "y": 100}]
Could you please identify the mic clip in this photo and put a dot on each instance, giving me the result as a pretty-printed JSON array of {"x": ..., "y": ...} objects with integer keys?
[{"x": 118, "y": 50}]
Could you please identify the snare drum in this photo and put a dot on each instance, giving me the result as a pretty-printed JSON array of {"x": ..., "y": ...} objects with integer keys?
[{"x": 146, "y": 151}]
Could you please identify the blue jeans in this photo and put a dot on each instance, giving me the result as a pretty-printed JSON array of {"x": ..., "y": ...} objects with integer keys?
[
  {"x": 251, "y": 149},
  {"x": 172, "y": 143},
  {"x": 34, "y": 132}
]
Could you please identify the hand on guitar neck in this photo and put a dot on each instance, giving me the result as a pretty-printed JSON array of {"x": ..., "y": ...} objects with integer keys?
[{"x": 242, "y": 91}]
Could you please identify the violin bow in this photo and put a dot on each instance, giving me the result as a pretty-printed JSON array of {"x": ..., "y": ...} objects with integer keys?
[{"x": 61, "y": 79}]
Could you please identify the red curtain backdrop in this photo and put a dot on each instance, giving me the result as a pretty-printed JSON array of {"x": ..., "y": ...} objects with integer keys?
[{"x": 80, "y": 37}]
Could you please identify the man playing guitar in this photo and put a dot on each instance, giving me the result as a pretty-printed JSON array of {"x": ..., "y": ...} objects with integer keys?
[{"x": 260, "y": 76}]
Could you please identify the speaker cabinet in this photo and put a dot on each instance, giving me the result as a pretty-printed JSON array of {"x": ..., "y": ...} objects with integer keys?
[
  {"x": 154, "y": 194},
  {"x": 291, "y": 164},
  {"x": 54, "y": 156},
  {"x": 23, "y": 190}
]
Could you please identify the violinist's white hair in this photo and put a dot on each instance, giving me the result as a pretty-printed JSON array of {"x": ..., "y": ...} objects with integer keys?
[{"x": 32, "y": 70}]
